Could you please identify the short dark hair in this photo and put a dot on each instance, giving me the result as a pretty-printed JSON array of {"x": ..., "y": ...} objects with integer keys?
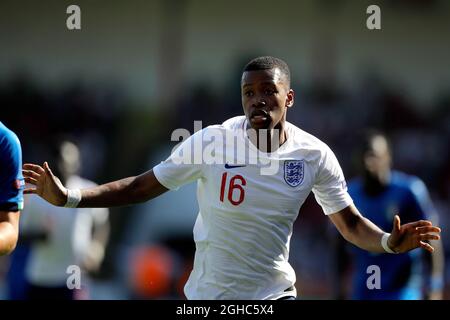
[
  {"x": 267, "y": 63},
  {"x": 369, "y": 135}
]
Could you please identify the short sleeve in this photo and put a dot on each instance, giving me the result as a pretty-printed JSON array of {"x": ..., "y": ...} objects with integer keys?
[
  {"x": 11, "y": 179},
  {"x": 184, "y": 165},
  {"x": 330, "y": 188}
]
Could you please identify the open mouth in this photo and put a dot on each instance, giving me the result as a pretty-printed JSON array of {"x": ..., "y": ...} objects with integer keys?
[{"x": 259, "y": 116}]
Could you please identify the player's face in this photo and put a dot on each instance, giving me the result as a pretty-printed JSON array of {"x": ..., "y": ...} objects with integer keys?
[
  {"x": 266, "y": 95},
  {"x": 377, "y": 160}
]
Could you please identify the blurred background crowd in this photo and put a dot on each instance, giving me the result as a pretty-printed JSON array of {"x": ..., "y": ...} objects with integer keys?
[{"x": 137, "y": 70}]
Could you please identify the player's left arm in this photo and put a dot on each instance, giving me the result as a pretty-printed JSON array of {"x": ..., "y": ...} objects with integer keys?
[
  {"x": 100, "y": 237},
  {"x": 363, "y": 233},
  {"x": 434, "y": 285},
  {"x": 9, "y": 231},
  {"x": 421, "y": 206}
]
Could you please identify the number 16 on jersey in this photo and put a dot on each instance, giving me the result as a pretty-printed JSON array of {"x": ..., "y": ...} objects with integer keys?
[{"x": 235, "y": 186}]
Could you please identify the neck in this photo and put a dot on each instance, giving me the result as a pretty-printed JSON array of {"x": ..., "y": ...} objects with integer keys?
[
  {"x": 268, "y": 140},
  {"x": 376, "y": 185}
]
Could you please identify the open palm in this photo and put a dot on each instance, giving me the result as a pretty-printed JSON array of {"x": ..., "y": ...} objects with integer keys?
[
  {"x": 47, "y": 185},
  {"x": 412, "y": 235}
]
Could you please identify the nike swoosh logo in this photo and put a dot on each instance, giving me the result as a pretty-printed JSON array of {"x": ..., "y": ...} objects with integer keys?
[{"x": 227, "y": 166}]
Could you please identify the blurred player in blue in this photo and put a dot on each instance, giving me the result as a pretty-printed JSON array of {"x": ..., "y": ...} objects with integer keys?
[
  {"x": 381, "y": 193},
  {"x": 11, "y": 189}
]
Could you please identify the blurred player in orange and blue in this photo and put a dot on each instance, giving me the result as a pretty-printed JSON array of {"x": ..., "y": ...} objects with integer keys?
[{"x": 381, "y": 193}]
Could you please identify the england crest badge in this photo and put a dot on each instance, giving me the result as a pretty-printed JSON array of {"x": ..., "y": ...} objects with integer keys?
[{"x": 294, "y": 172}]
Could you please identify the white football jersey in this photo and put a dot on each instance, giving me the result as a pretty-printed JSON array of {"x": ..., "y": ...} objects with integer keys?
[
  {"x": 244, "y": 226},
  {"x": 69, "y": 236}
]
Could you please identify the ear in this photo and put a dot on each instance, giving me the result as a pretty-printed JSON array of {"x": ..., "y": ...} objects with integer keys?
[{"x": 290, "y": 98}]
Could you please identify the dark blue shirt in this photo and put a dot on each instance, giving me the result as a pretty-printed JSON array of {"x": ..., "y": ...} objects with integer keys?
[{"x": 401, "y": 277}]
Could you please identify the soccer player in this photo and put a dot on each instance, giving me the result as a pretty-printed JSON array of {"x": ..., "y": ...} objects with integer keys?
[
  {"x": 71, "y": 238},
  {"x": 11, "y": 189},
  {"x": 381, "y": 193},
  {"x": 244, "y": 226}
]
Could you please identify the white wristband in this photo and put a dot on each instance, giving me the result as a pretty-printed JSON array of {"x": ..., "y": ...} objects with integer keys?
[
  {"x": 384, "y": 243},
  {"x": 73, "y": 198}
]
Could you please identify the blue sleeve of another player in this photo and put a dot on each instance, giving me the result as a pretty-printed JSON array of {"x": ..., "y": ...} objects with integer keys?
[
  {"x": 11, "y": 179},
  {"x": 421, "y": 205}
]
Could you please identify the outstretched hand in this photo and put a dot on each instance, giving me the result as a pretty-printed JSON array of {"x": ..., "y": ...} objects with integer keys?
[
  {"x": 412, "y": 235},
  {"x": 47, "y": 185}
]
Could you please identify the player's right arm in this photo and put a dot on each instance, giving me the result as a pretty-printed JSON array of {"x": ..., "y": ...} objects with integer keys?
[
  {"x": 169, "y": 174},
  {"x": 122, "y": 192}
]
